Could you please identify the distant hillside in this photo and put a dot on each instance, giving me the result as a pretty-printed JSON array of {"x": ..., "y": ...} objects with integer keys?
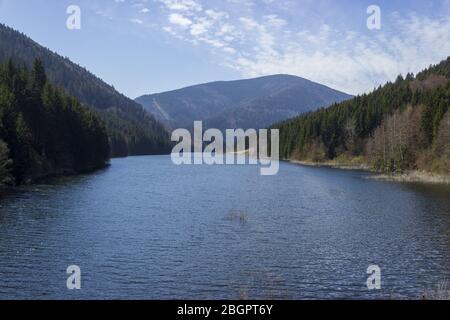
[
  {"x": 401, "y": 126},
  {"x": 253, "y": 103},
  {"x": 131, "y": 130}
]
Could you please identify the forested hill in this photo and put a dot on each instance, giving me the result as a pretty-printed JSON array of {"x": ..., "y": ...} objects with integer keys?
[
  {"x": 401, "y": 126},
  {"x": 248, "y": 103},
  {"x": 132, "y": 131},
  {"x": 43, "y": 130}
]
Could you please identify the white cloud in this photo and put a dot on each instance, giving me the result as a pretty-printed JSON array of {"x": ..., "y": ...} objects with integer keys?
[
  {"x": 179, "y": 19},
  {"x": 348, "y": 60},
  {"x": 198, "y": 28},
  {"x": 213, "y": 42},
  {"x": 216, "y": 15},
  {"x": 229, "y": 50},
  {"x": 249, "y": 23},
  {"x": 137, "y": 21},
  {"x": 275, "y": 21},
  {"x": 182, "y": 5},
  {"x": 352, "y": 62}
]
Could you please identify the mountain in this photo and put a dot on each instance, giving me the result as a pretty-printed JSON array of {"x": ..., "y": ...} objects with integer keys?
[
  {"x": 253, "y": 103},
  {"x": 401, "y": 126},
  {"x": 131, "y": 130}
]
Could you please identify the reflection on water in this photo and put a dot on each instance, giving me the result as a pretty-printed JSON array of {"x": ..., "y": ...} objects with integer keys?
[{"x": 145, "y": 228}]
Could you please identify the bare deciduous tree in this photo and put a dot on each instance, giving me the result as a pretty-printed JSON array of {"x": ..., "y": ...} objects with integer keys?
[{"x": 394, "y": 143}]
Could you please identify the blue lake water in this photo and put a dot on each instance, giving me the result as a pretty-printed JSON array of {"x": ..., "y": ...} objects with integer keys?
[{"x": 147, "y": 229}]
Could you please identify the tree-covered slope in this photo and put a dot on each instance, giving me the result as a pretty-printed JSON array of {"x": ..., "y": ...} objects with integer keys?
[
  {"x": 400, "y": 126},
  {"x": 131, "y": 129},
  {"x": 43, "y": 130},
  {"x": 250, "y": 103}
]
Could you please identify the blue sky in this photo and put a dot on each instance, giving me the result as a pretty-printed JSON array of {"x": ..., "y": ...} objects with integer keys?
[{"x": 148, "y": 46}]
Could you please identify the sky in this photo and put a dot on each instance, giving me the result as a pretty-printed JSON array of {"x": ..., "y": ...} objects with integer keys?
[{"x": 150, "y": 46}]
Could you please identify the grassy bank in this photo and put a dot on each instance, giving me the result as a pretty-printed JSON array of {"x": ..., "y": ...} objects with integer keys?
[
  {"x": 339, "y": 163},
  {"x": 358, "y": 163},
  {"x": 415, "y": 176}
]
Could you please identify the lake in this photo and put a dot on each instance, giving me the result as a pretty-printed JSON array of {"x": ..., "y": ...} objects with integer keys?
[{"x": 147, "y": 229}]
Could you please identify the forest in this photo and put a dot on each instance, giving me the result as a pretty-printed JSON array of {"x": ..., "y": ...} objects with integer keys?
[
  {"x": 401, "y": 126},
  {"x": 131, "y": 129},
  {"x": 44, "y": 130}
]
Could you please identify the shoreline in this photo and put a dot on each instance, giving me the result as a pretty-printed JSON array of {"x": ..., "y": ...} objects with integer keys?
[
  {"x": 64, "y": 172},
  {"x": 53, "y": 174},
  {"x": 331, "y": 164},
  {"x": 413, "y": 176}
]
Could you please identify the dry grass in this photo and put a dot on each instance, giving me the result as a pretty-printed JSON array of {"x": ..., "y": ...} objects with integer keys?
[
  {"x": 338, "y": 164},
  {"x": 415, "y": 176}
]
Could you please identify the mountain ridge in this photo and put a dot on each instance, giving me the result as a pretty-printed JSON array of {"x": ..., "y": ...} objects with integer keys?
[
  {"x": 224, "y": 104},
  {"x": 131, "y": 130},
  {"x": 222, "y": 82}
]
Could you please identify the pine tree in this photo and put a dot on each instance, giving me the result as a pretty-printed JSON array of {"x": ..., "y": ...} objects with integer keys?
[{"x": 6, "y": 177}]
